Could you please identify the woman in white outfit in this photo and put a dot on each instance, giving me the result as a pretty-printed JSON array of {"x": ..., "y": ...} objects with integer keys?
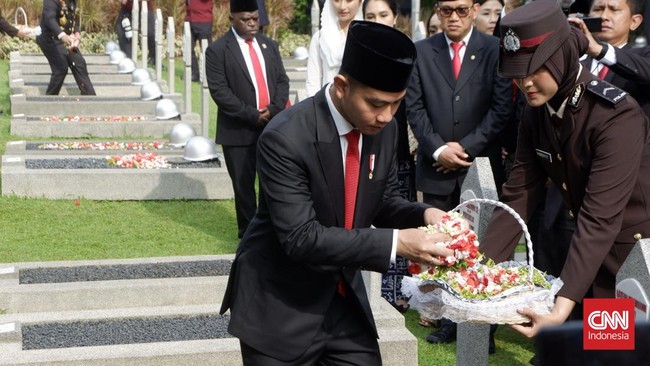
[{"x": 326, "y": 47}]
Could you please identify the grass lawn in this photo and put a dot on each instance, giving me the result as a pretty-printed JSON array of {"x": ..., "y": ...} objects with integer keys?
[{"x": 49, "y": 230}]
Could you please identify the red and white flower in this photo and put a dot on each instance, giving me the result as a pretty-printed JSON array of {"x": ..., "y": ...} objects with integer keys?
[
  {"x": 110, "y": 145},
  {"x": 139, "y": 161}
]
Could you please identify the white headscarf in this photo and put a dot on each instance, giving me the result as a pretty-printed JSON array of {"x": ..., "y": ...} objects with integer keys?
[{"x": 330, "y": 33}]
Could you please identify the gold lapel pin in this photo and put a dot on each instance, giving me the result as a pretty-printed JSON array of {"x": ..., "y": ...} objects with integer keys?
[{"x": 472, "y": 57}]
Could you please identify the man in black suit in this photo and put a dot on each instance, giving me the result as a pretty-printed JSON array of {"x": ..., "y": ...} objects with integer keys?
[
  {"x": 295, "y": 290},
  {"x": 59, "y": 42},
  {"x": 245, "y": 104},
  {"x": 456, "y": 118},
  {"x": 627, "y": 67}
]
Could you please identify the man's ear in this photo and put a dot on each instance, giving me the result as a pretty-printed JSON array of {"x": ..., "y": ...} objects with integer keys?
[
  {"x": 340, "y": 84},
  {"x": 637, "y": 19}
]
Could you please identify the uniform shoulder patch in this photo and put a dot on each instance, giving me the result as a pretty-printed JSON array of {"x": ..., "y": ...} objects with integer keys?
[{"x": 606, "y": 91}]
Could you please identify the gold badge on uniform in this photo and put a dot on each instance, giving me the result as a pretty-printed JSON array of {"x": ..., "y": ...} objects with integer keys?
[{"x": 578, "y": 90}]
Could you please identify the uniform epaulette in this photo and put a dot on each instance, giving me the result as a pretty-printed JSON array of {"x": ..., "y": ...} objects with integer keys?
[{"x": 606, "y": 91}]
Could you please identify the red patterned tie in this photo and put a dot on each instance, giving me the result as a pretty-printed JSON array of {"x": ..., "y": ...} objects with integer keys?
[
  {"x": 455, "y": 61},
  {"x": 263, "y": 91},
  {"x": 351, "y": 185},
  {"x": 351, "y": 176},
  {"x": 603, "y": 72}
]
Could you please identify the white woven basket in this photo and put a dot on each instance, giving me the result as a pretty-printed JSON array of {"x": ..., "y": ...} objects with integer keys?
[
  {"x": 20, "y": 11},
  {"x": 32, "y": 32},
  {"x": 501, "y": 309}
]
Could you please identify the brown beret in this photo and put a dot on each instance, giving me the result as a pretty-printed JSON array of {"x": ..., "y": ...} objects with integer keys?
[{"x": 530, "y": 35}]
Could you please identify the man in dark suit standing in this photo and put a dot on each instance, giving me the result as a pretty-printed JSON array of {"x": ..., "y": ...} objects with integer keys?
[
  {"x": 248, "y": 82},
  {"x": 59, "y": 42},
  {"x": 327, "y": 171},
  {"x": 457, "y": 106},
  {"x": 611, "y": 57},
  {"x": 456, "y": 117}
]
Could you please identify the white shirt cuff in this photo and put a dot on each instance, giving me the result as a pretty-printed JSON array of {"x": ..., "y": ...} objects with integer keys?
[
  {"x": 436, "y": 154},
  {"x": 393, "y": 251},
  {"x": 61, "y": 35},
  {"x": 610, "y": 56}
]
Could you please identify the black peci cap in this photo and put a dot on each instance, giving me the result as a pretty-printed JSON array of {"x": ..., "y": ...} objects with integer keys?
[
  {"x": 378, "y": 56},
  {"x": 237, "y": 6},
  {"x": 530, "y": 35}
]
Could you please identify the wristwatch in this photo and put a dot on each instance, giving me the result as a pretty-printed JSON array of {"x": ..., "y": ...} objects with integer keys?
[{"x": 603, "y": 51}]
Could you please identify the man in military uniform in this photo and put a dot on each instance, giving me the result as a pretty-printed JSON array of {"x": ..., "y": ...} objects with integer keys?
[
  {"x": 59, "y": 41},
  {"x": 590, "y": 138}
]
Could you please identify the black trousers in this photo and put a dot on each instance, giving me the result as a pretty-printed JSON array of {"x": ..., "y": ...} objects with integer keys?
[
  {"x": 343, "y": 339},
  {"x": 443, "y": 202},
  {"x": 198, "y": 32},
  {"x": 125, "y": 43},
  {"x": 241, "y": 164},
  {"x": 60, "y": 59}
]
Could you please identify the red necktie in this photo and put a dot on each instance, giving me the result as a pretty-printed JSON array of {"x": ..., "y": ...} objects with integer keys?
[
  {"x": 455, "y": 61},
  {"x": 263, "y": 91},
  {"x": 351, "y": 176},
  {"x": 351, "y": 185},
  {"x": 603, "y": 72}
]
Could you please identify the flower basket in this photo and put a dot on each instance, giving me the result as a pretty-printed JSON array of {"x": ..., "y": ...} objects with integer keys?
[
  {"x": 438, "y": 296},
  {"x": 33, "y": 32}
]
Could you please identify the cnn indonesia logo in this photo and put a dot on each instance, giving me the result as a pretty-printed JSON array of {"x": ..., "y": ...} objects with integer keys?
[{"x": 609, "y": 324}]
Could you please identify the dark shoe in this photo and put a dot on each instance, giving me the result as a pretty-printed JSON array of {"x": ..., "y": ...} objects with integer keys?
[
  {"x": 195, "y": 79},
  {"x": 401, "y": 306},
  {"x": 446, "y": 334}
]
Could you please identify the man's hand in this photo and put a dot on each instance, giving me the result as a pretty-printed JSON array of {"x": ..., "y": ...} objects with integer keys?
[
  {"x": 594, "y": 47},
  {"x": 452, "y": 158},
  {"x": 559, "y": 314},
  {"x": 23, "y": 32},
  {"x": 433, "y": 215},
  {"x": 418, "y": 246},
  {"x": 265, "y": 116}
]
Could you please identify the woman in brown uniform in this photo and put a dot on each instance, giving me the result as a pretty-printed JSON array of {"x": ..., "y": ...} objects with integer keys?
[{"x": 586, "y": 135}]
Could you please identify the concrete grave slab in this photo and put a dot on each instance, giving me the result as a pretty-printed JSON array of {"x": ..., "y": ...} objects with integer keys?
[
  {"x": 397, "y": 345},
  {"x": 114, "y": 183},
  {"x": 87, "y": 105},
  {"x": 44, "y": 77},
  {"x": 472, "y": 339},
  {"x": 93, "y": 68},
  {"x": 633, "y": 279},
  {"x": 148, "y": 126},
  {"x": 30, "y": 58},
  {"x": 103, "y": 89},
  {"x": 31, "y": 148}
]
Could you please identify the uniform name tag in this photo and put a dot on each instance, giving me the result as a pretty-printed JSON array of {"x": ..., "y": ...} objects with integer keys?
[{"x": 544, "y": 155}]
